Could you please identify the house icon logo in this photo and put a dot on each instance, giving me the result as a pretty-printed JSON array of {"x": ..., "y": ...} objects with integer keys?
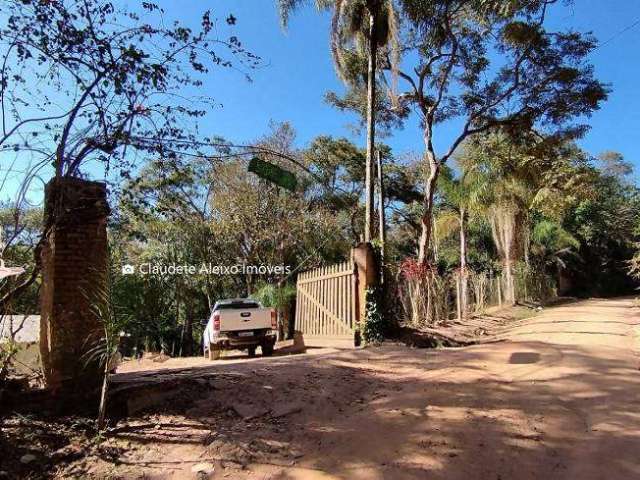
[{"x": 128, "y": 269}]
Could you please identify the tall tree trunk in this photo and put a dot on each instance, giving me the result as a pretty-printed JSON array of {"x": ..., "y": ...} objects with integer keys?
[
  {"x": 187, "y": 338},
  {"x": 463, "y": 262},
  {"x": 209, "y": 295},
  {"x": 249, "y": 284},
  {"x": 526, "y": 244},
  {"x": 371, "y": 127},
  {"x": 434, "y": 239},
  {"x": 510, "y": 287},
  {"x": 503, "y": 225},
  {"x": 463, "y": 239},
  {"x": 426, "y": 221},
  {"x": 381, "y": 217},
  {"x": 178, "y": 317},
  {"x": 508, "y": 263}
]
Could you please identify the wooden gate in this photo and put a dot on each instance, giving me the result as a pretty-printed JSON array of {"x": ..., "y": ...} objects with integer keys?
[{"x": 326, "y": 305}]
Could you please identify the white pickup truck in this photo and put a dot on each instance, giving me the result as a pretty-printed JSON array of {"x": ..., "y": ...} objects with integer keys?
[{"x": 239, "y": 324}]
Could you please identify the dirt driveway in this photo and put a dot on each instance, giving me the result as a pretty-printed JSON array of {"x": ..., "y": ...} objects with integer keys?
[{"x": 555, "y": 398}]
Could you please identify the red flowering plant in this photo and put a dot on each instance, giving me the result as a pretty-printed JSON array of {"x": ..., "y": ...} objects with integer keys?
[{"x": 411, "y": 269}]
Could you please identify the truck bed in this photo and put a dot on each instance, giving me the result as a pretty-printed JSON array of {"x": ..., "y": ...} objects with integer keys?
[{"x": 233, "y": 320}]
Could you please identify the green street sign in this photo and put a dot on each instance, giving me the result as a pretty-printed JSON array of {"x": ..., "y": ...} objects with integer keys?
[{"x": 273, "y": 173}]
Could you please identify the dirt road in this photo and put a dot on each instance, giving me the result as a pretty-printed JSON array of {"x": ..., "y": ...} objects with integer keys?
[{"x": 555, "y": 398}]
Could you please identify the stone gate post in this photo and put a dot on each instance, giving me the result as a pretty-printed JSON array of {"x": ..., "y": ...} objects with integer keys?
[{"x": 73, "y": 258}]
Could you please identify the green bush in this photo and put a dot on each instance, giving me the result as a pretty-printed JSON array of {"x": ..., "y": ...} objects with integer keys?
[
  {"x": 272, "y": 296},
  {"x": 374, "y": 326},
  {"x": 8, "y": 351}
]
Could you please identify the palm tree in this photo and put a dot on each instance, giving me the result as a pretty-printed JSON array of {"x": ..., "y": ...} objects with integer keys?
[
  {"x": 464, "y": 197},
  {"x": 358, "y": 29},
  {"x": 103, "y": 350},
  {"x": 553, "y": 247},
  {"x": 512, "y": 173}
]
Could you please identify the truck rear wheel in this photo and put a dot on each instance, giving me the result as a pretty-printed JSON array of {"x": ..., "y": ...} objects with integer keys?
[
  {"x": 214, "y": 352},
  {"x": 267, "y": 350},
  {"x": 252, "y": 352}
]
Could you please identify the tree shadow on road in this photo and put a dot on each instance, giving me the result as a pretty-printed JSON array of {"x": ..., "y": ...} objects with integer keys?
[
  {"x": 401, "y": 413},
  {"x": 525, "y": 410}
]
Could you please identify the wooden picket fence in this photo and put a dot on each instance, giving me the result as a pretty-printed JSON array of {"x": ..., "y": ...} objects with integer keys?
[{"x": 326, "y": 305}]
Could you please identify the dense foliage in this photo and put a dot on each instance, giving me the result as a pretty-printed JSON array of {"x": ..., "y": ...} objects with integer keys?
[
  {"x": 513, "y": 197},
  {"x": 548, "y": 205}
]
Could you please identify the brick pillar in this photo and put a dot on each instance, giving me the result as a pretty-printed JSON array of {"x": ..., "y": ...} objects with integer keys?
[{"x": 73, "y": 259}]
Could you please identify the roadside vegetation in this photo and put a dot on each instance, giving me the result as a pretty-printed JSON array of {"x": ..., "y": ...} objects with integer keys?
[
  {"x": 511, "y": 212},
  {"x": 514, "y": 209}
]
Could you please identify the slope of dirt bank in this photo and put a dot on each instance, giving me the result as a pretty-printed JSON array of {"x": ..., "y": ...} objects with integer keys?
[
  {"x": 477, "y": 328},
  {"x": 555, "y": 399}
]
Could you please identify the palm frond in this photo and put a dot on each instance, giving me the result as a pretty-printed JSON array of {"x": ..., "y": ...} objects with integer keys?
[
  {"x": 287, "y": 7},
  {"x": 447, "y": 224}
]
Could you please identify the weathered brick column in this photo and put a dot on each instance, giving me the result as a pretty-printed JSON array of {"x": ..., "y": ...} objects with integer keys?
[{"x": 73, "y": 260}]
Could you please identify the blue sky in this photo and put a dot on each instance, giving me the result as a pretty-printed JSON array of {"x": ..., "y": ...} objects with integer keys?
[{"x": 298, "y": 72}]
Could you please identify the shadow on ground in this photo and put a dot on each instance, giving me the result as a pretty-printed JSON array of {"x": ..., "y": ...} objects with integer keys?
[{"x": 556, "y": 405}]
